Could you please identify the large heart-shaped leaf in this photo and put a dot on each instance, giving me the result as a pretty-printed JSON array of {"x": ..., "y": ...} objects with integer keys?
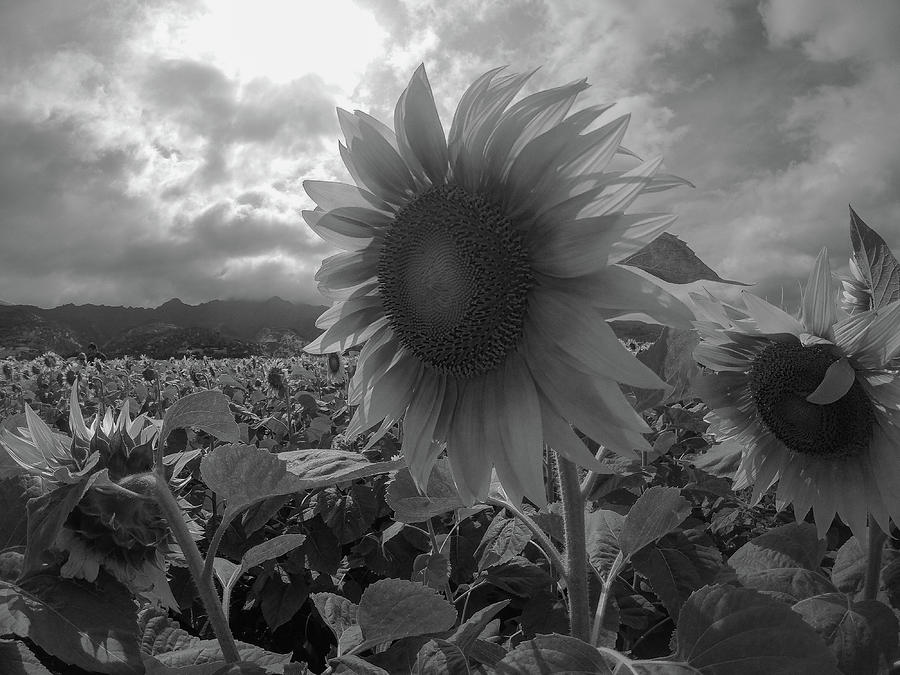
[
  {"x": 656, "y": 513},
  {"x": 83, "y": 624},
  {"x": 552, "y": 654},
  {"x": 206, "y": 410},
  {"x": 736, "y": 631},
  {"x": 391, "y": 609}
]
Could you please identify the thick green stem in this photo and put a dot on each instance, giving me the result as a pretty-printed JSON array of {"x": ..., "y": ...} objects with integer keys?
[
  {"x": 172, "y": 511},
  {"x": 873, "y": 560},
  {"x": 576, "y": 552}
]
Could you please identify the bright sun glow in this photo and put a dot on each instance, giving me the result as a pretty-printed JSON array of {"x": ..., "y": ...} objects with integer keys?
[{"x": 285, "y": 39}]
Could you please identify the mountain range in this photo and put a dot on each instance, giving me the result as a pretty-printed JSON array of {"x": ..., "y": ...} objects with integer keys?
[{"x": 216, "y": 328}]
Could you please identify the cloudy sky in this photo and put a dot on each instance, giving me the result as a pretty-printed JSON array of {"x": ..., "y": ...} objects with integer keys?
[{"x": 153, "y": 149}]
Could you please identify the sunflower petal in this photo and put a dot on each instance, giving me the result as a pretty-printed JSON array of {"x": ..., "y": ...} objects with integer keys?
[
  {"x": 470, "y": 456},
  {"x": 419, "y": 131},
  {"x": 585, "y": 245},
  {"x": 769, "y": 318},
  {"x": 617, "y": 291},
  {"x": 560, "y": 436},
  {"x": 347, "y": 270},
  {"x": 539, "y": 158},
  {"x": 525, "y": 121},
  {"x": 349, "y": 331},
  {"x": 818, "y": 300},
  {"x": 349, "y": 228},
  {"x": 586, "y": 337},
  {"x": 522, "y": 433},
  {"x": 380, "y": 167},
  {"x": 376, "y": 356},
  {"x": 418, "y": 427},
  {"x": 331, "y": 315},
  {"x": 330, "y": 195},
  {"x": 388, "y": 397}
]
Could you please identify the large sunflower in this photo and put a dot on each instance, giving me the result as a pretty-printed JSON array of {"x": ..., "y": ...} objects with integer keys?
[
  {"x": 813, "y": 401},
  {"x": 480, "y": 273}
]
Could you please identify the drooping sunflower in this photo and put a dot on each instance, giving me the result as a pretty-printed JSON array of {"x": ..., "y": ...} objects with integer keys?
[
  {"x": 106, "y": 472},
  {"x": 480, "y": 271},
  {"x": 813, "y": 401}
]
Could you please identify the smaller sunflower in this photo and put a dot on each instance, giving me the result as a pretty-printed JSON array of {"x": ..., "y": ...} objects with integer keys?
[
  {"x": 814, "y": 401},
  {"x": 335, "y": 368}
]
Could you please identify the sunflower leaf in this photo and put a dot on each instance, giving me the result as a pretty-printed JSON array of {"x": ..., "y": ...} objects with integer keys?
[
  {"x": 669, "y": 258},
  {"x": 391, "y": 609},
  {"x": 722, "y": 629},
  {"x": 15, "y": 657},
  {"x": 552, "y": 654},
  {"x": 318, "y": 467},
  {"x": 336, "y": 611},
  {"x": 676, "y": 566},
  {"x": 791, "y": 545},
  {"x": 861, "y": 635},
  {"x": 206, "y": 410},
  {"x": 876, "y": 264},
  {"x": 504, "y": 539},
  {"x": 656, "y": 513},
  {"x": 410, "y": 506},
  {"x": 80, "y": 623}
]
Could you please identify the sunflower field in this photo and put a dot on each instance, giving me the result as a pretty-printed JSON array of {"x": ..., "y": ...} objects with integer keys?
[{"x": 511, "y": 450}]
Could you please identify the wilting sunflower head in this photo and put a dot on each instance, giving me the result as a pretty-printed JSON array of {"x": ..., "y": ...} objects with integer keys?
[
  {"x": 812, "y": 400},
  {"x": 116, "y": 524},
  {"x": 480, "y": 273}
]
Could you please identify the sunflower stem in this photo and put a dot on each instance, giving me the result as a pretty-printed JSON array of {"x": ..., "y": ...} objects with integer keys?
[
  {"x": 174, "y": 518},
  {"x": 877, "y": 538},
  {"x": 576, "y": 550}
]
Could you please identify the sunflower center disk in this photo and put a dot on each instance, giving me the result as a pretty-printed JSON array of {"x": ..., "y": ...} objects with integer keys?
[
  {"x": 782, "y": 376},
  {"x": 454, "y": 277}
]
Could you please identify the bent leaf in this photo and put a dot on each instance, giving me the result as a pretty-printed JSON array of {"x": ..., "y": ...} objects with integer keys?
[
  {"x": 669, "y": 258},
  {"x": 206, "y": 410}
]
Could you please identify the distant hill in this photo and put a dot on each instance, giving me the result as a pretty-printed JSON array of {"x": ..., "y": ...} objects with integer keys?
[{"x": 220, "y": 327}]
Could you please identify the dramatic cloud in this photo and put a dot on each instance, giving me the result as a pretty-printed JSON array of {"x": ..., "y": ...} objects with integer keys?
[{"x": 151, "y": 150}]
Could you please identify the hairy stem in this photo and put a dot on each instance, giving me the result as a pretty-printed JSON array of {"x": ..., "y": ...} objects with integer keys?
[
  {"x": 172, "y": 511},
  {"x": 877, "y": 538},
  {"x": 576, "y": 551}
]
